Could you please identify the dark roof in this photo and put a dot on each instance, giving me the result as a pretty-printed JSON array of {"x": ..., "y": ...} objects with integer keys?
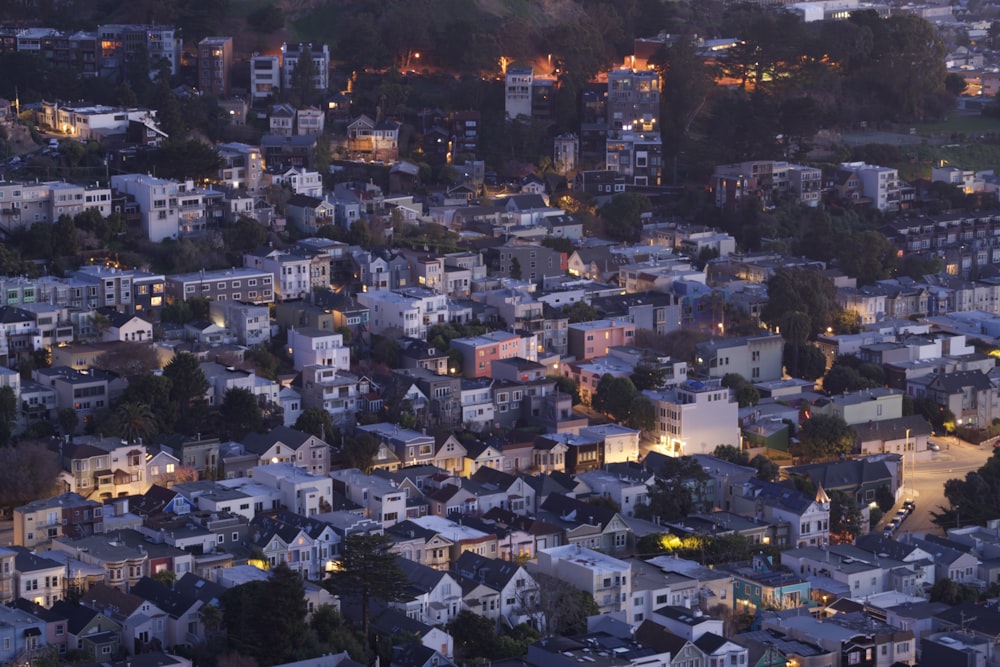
[
  {"x": 650, "y": 633},
  {"x": 26, "y": 561},
  {"x": 258, "y": 443},
  {"x": 577, "y": 511},
  {"x": 493, "y": 572},
  {"x": 710, "y": 642},
  {"x": 415, "y": 654},
  {"x": 983, "y": 620},
  {"x": 77, "y": 615},
  {"x": 954, "y": 383},
  {"x": 169, "y": 600},
  {"x": 193, "y": 586}
]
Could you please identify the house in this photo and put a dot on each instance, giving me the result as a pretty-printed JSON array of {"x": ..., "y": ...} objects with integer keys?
[
  {"x": 808, "y": 518},
  {"x": 38, "y": 579},
  {"x": 607, "y": 579},
  {"x": 430, "y": 596},
  {"x": 66, "y": 514},
  {"x": 89, "y": 630},
  {"x": 419, "y": 544},
  {"x": 518, "y": 596},
  {"x": 283, "y": 444},
  {"x": 21, "y": 636},
  {"x": 587, "y": 524},
  {"x": 317, "y": 347},
  {"x": 123, "y": 565},
  {"x": 595, "y": 339},
  {"x": 695, "y": 416},
  {"x": 308, "y": 214}
]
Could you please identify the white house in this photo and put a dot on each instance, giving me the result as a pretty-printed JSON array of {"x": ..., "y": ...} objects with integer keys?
[{"x": 310, "y": 346}]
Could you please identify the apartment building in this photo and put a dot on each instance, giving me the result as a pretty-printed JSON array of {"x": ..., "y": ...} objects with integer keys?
[
  {"x": 317, "y": 347},
  {"x": 408, "y": 311},
  {"x": 479, "y": 352},
  {"x": 633, "y": 101},
  {"x": 265, "y": 77},
  {"x": 695, "y": 417},
  {"x": 607, "y": 579},
  {"x": 517, "y": 92},
  {"x": 638, "y": 156},
  {"x": 168, "y": 209},
  {"x": 239, "y": 284},
  {"x": 215, "y": 59},
  {"x": 320, "y": 55},
  {"x": 587, "y": 340},
  {"x": 242, "y": 166}
]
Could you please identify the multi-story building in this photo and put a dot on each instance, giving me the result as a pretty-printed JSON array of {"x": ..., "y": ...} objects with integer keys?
[
  {"x": 336, "y": 392},
  {"x": 292, "y": 272},
  {"x": 595, "y": 339},
  {"x": 92, "y": 122},
  {"x": 633, "y": 102},
  {"x": 517, "y": 92},
  {"x": 878, "y": 185},
  {"x": 695, "y": 417},
  {"x": 479, "y": 352},
  {"x": 84, "y": 392},
  {"x": 757, "y": 358},
  {"x": 239, "y": 284},
  {"x": 317, "y": 347},
  {"x": 66, "y": 514},
  {"x": 122, "y": 45},
  {"x": 607, "y": 579},
  {"x": 249, "y": 323},
  {"x": 638, "y": 156},
  {"x": 310, "y": 121},
  {"x": 465, "y": 131},
  {"x": 168, "y": 208},
  {"x": 565, "y": 152},
  {"x": 242, "y": 166},
  {"x": 320, "y": 55},
  {"x": 215, "y": 58},
  {"x": 409, "y": 311},
  {"x": 265, "y": 77}
]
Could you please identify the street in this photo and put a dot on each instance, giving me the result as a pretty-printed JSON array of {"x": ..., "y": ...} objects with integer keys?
[{"x": 924, "y": 481}]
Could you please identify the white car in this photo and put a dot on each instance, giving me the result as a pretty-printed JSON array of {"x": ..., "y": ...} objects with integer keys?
[{"x": 933, "y": 446}]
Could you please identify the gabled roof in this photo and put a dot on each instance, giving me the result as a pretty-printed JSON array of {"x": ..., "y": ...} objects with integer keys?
[
  {"x": 420, "y": 576},
  {"x": 259, "y": 443},
  {"x": 493, "y": 572},
  {"x": 169, "y": 600},
  {"x": 193, "y": 586},
  {"x": 650, "y": 633},
  {"x": 77, "y": 616},
  {"x": 578, "y": 511},
  {"x": 115, "y": 603}
]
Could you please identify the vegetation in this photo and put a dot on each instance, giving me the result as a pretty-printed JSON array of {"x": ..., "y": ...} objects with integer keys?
[
  {"x": 823, "y": 437},
  {"x": 368, "y": 571}
]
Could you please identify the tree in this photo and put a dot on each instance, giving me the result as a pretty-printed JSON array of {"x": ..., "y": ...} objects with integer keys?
[
  {"x": 319, "y": 423},
  {"x": 136, "y": 422},
  {"x": 187, "y": 390},
  {"x": 153, "y": 391},
  {"x": 767, "y": 469},
  {"x": 872, "y": 259},
  {"x": 804, "y": 361},
  {"x": 614, "y": 396},
  {"x": 266, "y": 619},
  {"x": 130, "y": 360},
  {"x": 68, "y": 420},
  {"x": 806, "y": 291},
  {"x": 952, "y": 593},
  {"x": 8, "y": 414},
  {"x": 27, "y": 472},
  {"x": 360, "y": 451},
  {"x": 368, "y": 570},
  {"x": 845, "y": 518},
  {"x": 641, "y": 414},
  {"x": 581, "y": 311},
  {"x": 302, "y": 76},
  {"x": 731, "y": 454},
  {"x": 677, "y": 490},
  {"x": 239, "y": 413},
  {"x": 824, "y": 436},
  {"x": 563, "y": 607},
  {"x": 567, "y": 385},
  {"x": 623, "y": 216}
]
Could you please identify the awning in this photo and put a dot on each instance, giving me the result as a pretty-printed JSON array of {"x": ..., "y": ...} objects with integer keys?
[{"x": 32, "y": 632}]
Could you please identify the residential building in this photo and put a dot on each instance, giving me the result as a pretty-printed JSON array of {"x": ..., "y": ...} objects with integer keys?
[
  {"x": 587, "y": 340},
  {"x": 250, "y": 324},
  {"x": 633, "y": 101},
  {"x": 382, "y": 500},
  {"x": 151, "y": 47},
  {"x": 265, "y": 77},
  {"x": 336, "y": 392},
  {"x": 215, "y": 59},
  {"x": 517, "y": 92},
  {"x": 301, "y": 492},
  {"x": 167, "y": 208},
  {"x": 238, "y": 284},
  {"x": 879, "y": 186},
  {"x": 408, "y": 311},
  {"x": 479, "y": 352},
  {"x": 638, "y": 156},
  {"x": 607, "y": 579},
  {"x": 694, "y": 417},
  {"x": 84, "y": 392},
  {"x": 283, "y": 444},
  {"x": 320, "y": 55},
  {"x": 757, "y": 358},
  {"x": 808, "y": 518},
  {"x": 66, "y": 514}
]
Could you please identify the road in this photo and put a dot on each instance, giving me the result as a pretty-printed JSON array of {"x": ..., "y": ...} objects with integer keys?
[{"x": 924, "y": 481}]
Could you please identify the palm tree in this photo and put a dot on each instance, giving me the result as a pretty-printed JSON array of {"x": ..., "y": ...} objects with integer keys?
[{"x": 136, "y": 421}]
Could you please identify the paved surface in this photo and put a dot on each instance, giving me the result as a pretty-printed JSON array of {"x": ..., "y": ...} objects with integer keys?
[{"x": 924, "y": 480}]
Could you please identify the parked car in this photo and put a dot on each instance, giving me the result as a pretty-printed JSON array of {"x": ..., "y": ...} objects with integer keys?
[
  {"x": 909, "y": 505},
  {"x": 933, "y": 446}
]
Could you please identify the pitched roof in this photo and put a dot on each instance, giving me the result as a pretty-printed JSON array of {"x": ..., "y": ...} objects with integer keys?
[{"x": 258, "y": 443}]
